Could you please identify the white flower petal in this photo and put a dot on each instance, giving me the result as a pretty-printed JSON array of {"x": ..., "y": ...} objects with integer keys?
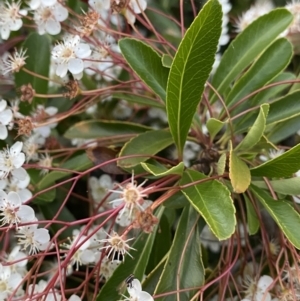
[
  {"x": 16, "y": 148},
  {"x": 83, "y": 51},
  {"x": 14, "y": 199},
  {"x": 75, "y": 65},
  {"x": 3, "y": 104},
  {"x": 26, "y": 214},
  {"x": 53, "y": 27},
  {"x": 3, "y": 132},
  {"x": 19, "y": 173}
]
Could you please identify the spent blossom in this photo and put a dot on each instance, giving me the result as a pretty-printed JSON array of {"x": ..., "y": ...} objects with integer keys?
[
  {"x": 132, "y": 197},
  {"x": 117, "y": 246},
  {"x": 10, "y": 17},
  {"x": 68, "y": 56}
]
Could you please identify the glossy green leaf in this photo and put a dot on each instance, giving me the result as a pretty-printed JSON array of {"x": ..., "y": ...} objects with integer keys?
[
  {"x": 266, "y": 95},
  {"x": 239, "y": 173},
  {"x": 139, "y": 99},
  {"x": 190, "y": 70},
  {"x": 162, "y": 243},
  {"x": 183, "y": 268},
  {"x": 148, "y": 144},
  {"x": 284, "y": 129},
  {"x": 93, "y": 129},
  {"x": 136, "y": 265},
  {"x": 262, "y": 71},
  {"x": 38, "y": 61},
  {"x": 252, "y": 219},
  {"x": 214, "y": 126},
  {"x": 285, "y": 108},
  {"x": 213, "y": 201},
  {"x": 77, "y": 163},
  {"x": 283, "y": 186},
  {"x": 256, "y": 131},
  {"x": 282, "y": 166},
  {"x": 146, "y": 63},
  {"x": 161, "y": 171},
  {"x": 248, "y": 45},
  {"x": 286, "y": 217}
]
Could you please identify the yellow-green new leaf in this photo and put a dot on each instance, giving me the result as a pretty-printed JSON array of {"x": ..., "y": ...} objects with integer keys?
[{"x": 239, "y": 173}]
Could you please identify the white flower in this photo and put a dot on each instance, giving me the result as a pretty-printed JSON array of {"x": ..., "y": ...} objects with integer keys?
[
  {"x": 10, "y": 18},
  {"x": 20, "y": 259},
  {"x": 100, "y": 5},
  {"x": 48, "y": 18},
  {"x": 14, "y": 62},
  {"x": 34, "y": 238},
  {"x": 294, "y": 8},
  {"x": 134, "y": 289},
  {"x": 134, "y": 7},
  {"x": 117, "y": 246},
  {"x": 226, "y": 7},
  {"x": 69, "y": 55},
  {"x": 82, "y": 254},
  {"x": 6, "y": 117},
  {"x": 9, "y": 281},
  {"x": 31, "y": 146},
  {"x": 19, "y": 186},
  {"x": 11, "y": 160},
  {"x": 13, "y": 212},
  {"x": 100, "y": 187}
]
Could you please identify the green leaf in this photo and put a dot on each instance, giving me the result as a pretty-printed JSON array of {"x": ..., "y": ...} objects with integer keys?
[
  {"x": 190, "y": 69},
  {"x": 177, "y": 200},
  {"x": 139, "y": 99},
  {"x": 38, "y": 61},
  {"x": 284, "y": 130},
  {"x": 162, "y": 243},
  {"x": 285, "y": 108},
  {"x": 214, "y": 126},
  {"x": 262, "y": 71},
  {"x": 148, "y": 144},
  {"x": 248, "y": 45},
  {"x": 208, "y": 198},
  {"x": 256, "y": 131},
  {"x": 270, "y": 93},
  {"x": 283, "y": 186},
  {"x": 282, "y": 166},
  {"x": 184, "y": 262},
  {"x": 137, "y": 265},
  {"x": 286, "y": 217},
  {"x": 252, "y": 219},
  {"x": 239, "y": 173},
  {"x": 146, "y": 63},
  {"x": 93, "y": 129},
  {"x": 161, "y": 171}
]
